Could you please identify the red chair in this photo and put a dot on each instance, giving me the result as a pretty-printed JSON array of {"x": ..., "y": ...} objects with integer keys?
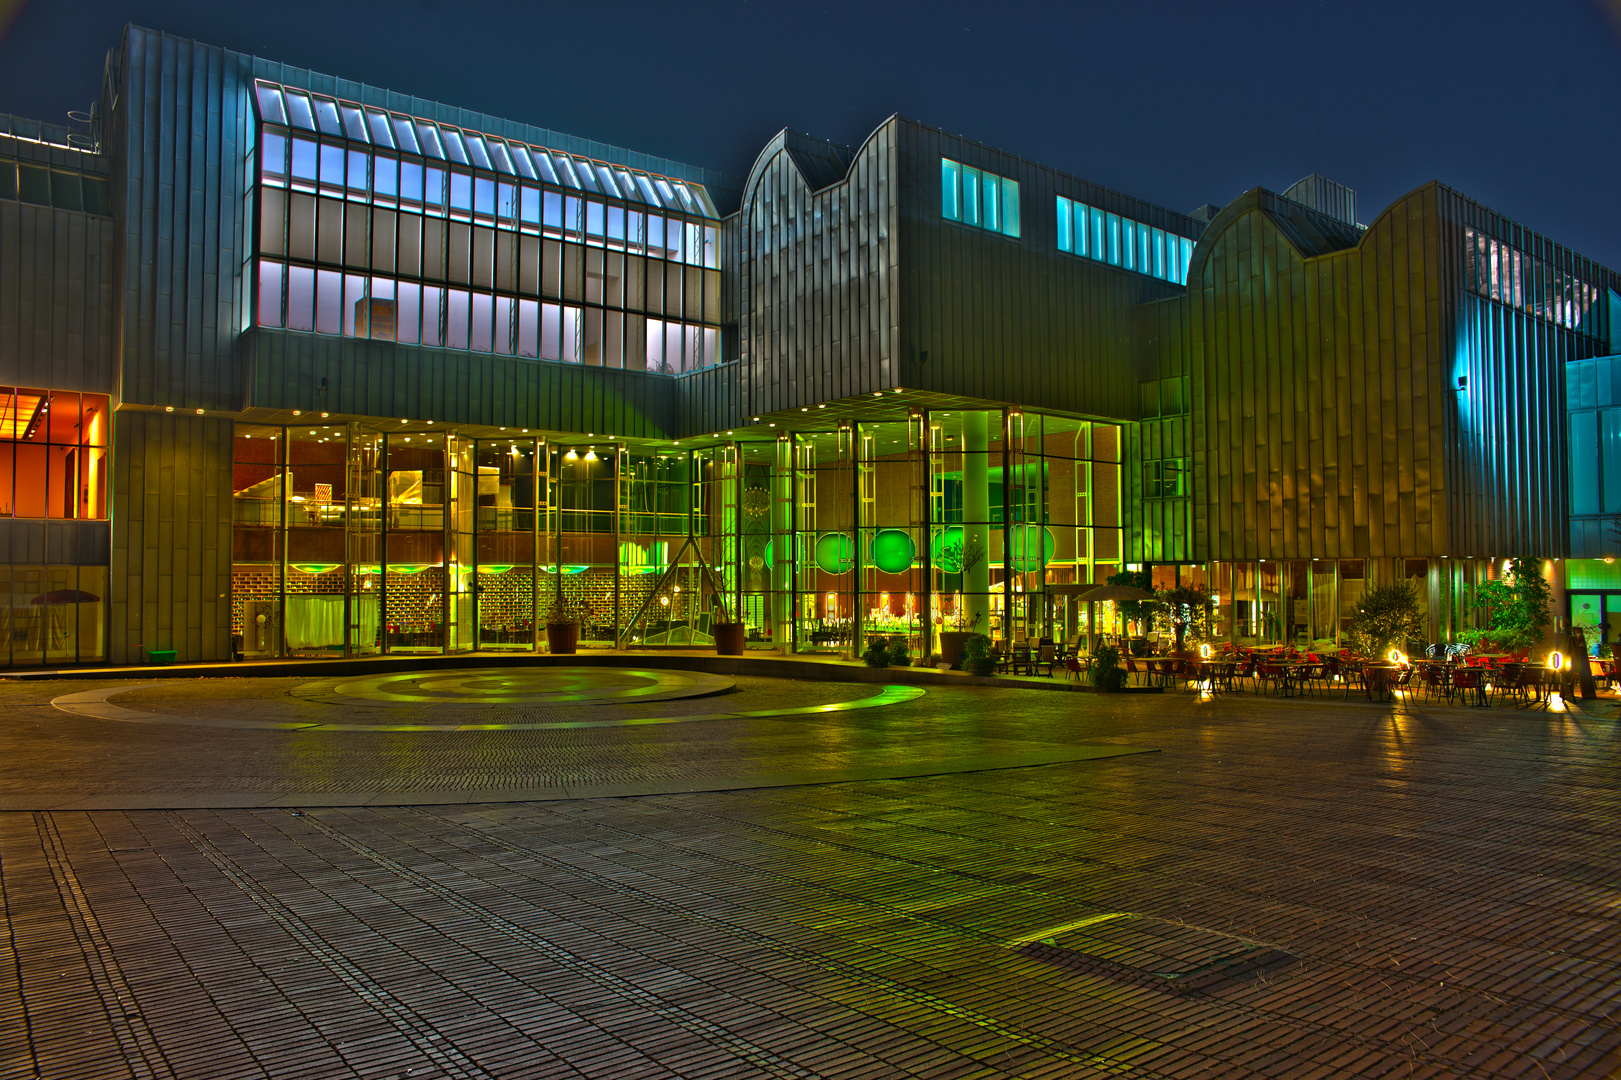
[{"x": 1072, "y": 668}]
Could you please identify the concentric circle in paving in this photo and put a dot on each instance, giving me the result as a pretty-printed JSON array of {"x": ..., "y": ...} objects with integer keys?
[{"x": 517, "y": 686}]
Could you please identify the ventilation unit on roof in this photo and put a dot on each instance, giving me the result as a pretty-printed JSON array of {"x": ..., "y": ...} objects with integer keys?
[
  {"x": 1205, "y": 214},
  {"x": 1325, "y": 196}
]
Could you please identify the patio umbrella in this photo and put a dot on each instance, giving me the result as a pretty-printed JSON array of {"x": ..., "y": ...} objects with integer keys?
[
  {"x": 66, "y": 596},
  {"x": 1107, "y": 592}
]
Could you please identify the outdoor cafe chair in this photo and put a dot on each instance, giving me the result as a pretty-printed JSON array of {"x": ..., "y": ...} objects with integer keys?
[
  {"x": 1467, "y": 681},
  {"x": 1072, "y": 667}
]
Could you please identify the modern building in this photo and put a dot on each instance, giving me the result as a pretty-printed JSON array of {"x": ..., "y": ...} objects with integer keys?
[{"x": 291, "y": 365}]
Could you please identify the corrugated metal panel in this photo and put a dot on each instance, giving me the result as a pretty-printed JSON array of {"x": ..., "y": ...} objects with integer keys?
[
  {"x": 171, "y": 537},
  {"x": 1016, "y": 320},
  {"x": 57, "y": 314},
  {"x": 374, "y": 378},
  {"x": 178, "y": 140}
]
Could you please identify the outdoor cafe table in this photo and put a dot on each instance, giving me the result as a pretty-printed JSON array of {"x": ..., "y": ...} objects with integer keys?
[
  {"x": 1165, "y": 669},
  {"x": 1377, "y": 681}
]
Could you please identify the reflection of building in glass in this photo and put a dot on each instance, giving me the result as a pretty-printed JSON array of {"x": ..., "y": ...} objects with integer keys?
[{"x": 345, "y": 371}]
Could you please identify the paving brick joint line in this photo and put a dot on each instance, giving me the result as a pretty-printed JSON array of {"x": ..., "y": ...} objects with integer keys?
[
  {"x": 718, "y": 1036},
  {"x": 442, "y": 1053},
  {"x": 123, "y": 1012}
]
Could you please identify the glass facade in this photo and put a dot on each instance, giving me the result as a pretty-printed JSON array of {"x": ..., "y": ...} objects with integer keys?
[
  {"x": 375, "y": 225},
  {"x": 1119, "y": 241},
  {"x": 350, "y": 541},
  {"x": 53, "y": 615}
]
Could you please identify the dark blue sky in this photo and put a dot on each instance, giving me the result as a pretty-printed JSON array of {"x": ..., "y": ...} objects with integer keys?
[{"x": 1178, "y": 103}]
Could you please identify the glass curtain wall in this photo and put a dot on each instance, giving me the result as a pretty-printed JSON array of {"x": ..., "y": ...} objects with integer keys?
[
  {"x": 350, "y": 541},
  {"x": 52, "y": 614},
  {"x": 510, "y": 495}
]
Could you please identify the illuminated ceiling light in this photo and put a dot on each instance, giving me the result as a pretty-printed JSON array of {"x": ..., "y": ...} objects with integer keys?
[
  {"x": 298, "y": 412},
  {"x": 430, "y": 421},
  {"x": 199, "y": 412},
  {"x": 405, "y": 421},
  {"x": 590, "y": 435},
  {"x": 804, "y": 408},
  {"x": 168, "y": 408},
  {"x": 571, "y": 456},
  {"x": 503, "y": 429},
  {"x": 756, "y": 419},
  {"x": 877, "y": 393},
  {"x": 896, "y": 390},
  {"x": 822, "y": 406},
  {"x": 526, "y": 431},
  {"x": 590, "y": 455}
]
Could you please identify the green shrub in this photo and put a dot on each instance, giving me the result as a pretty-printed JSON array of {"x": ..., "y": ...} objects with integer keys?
[
  {"x": 1386, "y": 619},
  {"x": 899, "y": 654},
  {"x": 1517, "y": 609},
  {"x": 877, "y": 654},
  {"x": 976, "y": 656},
  {"x": 1106, "y": 672}
]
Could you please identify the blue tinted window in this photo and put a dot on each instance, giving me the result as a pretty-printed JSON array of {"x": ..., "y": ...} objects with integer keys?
[
  {"x": 1065, "y": 227},
  {"x": 1083, "y": 230},
  {"x": 384, "y": 176},
  {"x": 483, "y": 197},
  {"x": 331, "y": 165},
  {"x": 1128, "y": 244},
  {"x": 1584, "y": 450},
  {"x": 461, "y": 191},
  {"x": 1010, "y": 208},
  {"x": 1099, "y": 223},
  {"x": 950, "y": 190},
  {"x": 1612, "y": 461},
  {"x": 505, "y": 201},
  {"x": 991, "y": 199},
  {"x": 970, "y": 195},
  {"x": 529, "y": 206}
]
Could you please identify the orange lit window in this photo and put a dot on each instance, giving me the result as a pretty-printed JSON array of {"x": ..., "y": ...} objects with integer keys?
[{"x": 53, "y": 453}]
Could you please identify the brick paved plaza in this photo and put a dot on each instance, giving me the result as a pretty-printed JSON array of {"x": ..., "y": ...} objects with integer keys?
[{"x": 226, "y": 878}]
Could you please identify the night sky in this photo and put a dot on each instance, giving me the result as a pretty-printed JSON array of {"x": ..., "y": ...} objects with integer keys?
[{"x": 1177, "y": 103}]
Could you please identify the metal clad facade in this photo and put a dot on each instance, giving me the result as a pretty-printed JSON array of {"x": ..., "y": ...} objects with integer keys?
[
  {"x": 318, "y": 373},
  {"x": 171, "y": 536},
  {"x": 1317, "y": 389},
  {"x": 178, "y": 143},
  {"x": 814, "y": 283},
  {"x": 1009, "y": 319}
]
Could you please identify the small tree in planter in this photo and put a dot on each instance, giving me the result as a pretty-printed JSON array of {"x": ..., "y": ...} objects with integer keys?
[
  {"x": 1187, "y": 610},
  {"x": 563, "y": 626},
  {"x": 976, "y": 656},
  {"x": 1388, "y": 616},
  {"x": 1106, "y": 672}
]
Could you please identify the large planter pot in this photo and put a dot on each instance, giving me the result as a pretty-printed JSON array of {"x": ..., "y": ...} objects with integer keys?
[
  {"x": 728, "y": 638},
  {"x": 562, "y": 638},
  {"x": 951, "y": 646}
]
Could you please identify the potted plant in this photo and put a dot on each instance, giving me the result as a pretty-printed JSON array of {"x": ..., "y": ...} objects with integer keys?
[
  {"x": 563, "y": 627},
  {"x": 728, "y": 635},
  {"x": 1106, "y": 672},
  {"x": 976, "y": 655}
]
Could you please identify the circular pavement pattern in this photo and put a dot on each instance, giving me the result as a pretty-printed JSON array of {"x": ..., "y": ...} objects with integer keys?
[
  {"x": 516, "y": 686},
  {"x": 534, "y": 699}
]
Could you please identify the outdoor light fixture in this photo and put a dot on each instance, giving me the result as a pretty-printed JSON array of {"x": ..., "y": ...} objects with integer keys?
[
  {"x": 1556, "y": 660},
  {"x": 1396, "y": 657},
  {"x": 1204, "y": 651}
]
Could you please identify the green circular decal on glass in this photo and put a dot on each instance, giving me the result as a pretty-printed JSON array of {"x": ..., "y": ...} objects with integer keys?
[
  {"x": 892, "y": 551},
  {"x": 1033, "y": 547},
  {"x": 948, "y": 549},
  {"x": 835, "y": 553}
]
